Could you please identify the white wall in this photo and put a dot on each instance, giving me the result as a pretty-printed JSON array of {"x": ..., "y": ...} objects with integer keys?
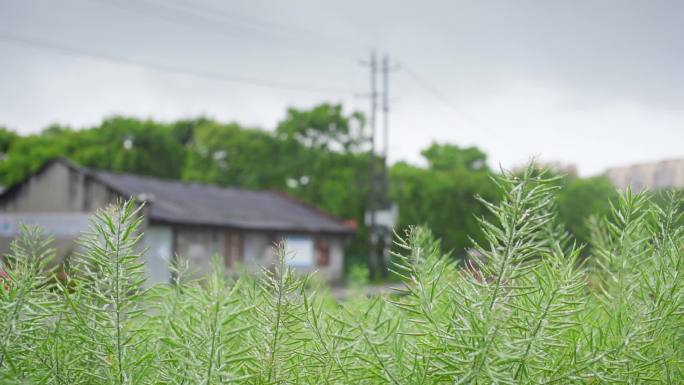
[
  {"x": 258, "y": 251},
  {"x": 158, "y": 240},
  {"x": 198, "y": 245},
  {"x": 335, "y": 272}
]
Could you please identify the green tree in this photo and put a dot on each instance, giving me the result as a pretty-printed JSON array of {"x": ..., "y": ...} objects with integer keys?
[
  {"x": 130, "y": 145},
  {"x": 317, "y": 155},
  {"x": 229, "y": 154},
  {"x": 581, "y": 198},
  {"x": 445, "y": 157},
  {"x": 7, "y": 138},
  {"x": 118, "y": 144},
  {"x": 325, "y": 127},
  {"x": 27, "y": 154},
  {"x": 443, "y": 195}
]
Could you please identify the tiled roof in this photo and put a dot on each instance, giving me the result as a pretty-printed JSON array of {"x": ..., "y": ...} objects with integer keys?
[
  {"x": 172, "y": 201},
  {"x": 202, "y": 204}
]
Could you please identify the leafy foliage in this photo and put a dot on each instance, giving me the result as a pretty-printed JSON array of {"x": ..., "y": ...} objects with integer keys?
[
  {"x": 523, "y": 310},
  {"x": 319, "y": 155},
  {"x": 582, "y": 198},
  {"x": 201, "y": 323},
  {"x": 324, "y": 127},
  {"x": 24, "y": 303},
  {"x": 442, "y": 196},
  {"x": 104, "y": 309}
]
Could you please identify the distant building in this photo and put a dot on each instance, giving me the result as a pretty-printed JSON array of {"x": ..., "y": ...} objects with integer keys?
[
  {"x": 553, "y": 166},
  {"x": 560, "y": 168},
  {"x": 664, "y": 174},
  {"x": 195, "y": 221}
]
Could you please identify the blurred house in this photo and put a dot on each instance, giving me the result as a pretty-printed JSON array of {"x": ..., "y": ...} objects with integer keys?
[
  {"x": 664, "y": 174},
  {"x": 195, "y": 221}
]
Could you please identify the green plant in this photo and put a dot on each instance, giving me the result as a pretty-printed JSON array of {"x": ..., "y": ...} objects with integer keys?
[
  {"x": 524, "y": 309},
  {"x": 25, "y": 303}
]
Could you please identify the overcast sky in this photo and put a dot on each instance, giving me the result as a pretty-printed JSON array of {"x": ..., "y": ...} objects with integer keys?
[{"x": 591, "y": 83}]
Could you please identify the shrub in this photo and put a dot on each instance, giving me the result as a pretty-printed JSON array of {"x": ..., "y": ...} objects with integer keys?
[{"x": 525, "y": 310}]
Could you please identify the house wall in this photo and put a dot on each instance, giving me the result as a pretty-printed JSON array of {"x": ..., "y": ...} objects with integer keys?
[
  {"x": 58, "y": 189},
  {"x": 257, "y": 250},
  {"x": 58, "y": 199},
  {"x": 158, "y": 240},
  {"x": 199, "y": 244},
  {"x": 69, "y": 196},
  {"x": 334, "y": 270}
]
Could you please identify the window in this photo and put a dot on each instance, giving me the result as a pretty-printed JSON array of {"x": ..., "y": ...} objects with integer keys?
[{"x": 299, "y": 251}]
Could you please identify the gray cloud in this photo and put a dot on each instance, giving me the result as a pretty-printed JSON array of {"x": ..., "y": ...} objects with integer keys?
[{"x": 595, "y": 83}]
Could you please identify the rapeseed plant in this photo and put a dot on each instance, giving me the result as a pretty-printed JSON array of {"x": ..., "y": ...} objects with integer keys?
[{"x": 527, "y": 308}]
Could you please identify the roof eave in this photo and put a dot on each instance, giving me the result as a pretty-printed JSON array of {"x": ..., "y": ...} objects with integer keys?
[{"x": 242, "y": 227}]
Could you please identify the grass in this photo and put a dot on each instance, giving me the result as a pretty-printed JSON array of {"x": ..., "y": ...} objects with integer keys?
[{"x": 525, "y": 310}]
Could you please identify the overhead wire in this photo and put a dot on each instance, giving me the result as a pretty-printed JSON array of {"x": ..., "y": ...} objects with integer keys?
[
  {"x": 434, "y": 91},
  {"x": 193, "y": 15},
  {"x": 259, "y": 23},
  {"x": 209, "y": 20},
  {"x": 53, "y": 46}
]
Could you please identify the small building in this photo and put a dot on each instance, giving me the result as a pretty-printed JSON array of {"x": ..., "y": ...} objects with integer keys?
[{"x": 191, "y": 220}]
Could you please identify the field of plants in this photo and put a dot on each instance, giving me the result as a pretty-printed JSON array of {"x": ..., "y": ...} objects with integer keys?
[{"x": 525, "y": 310}]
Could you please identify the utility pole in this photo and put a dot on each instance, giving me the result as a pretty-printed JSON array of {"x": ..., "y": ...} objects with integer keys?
[
  {"x": 385, "y": 127},
  {"x": 372, "y": 207},
  {"x": 386, "y": 234},
  {"x": 381, "y": 214}
]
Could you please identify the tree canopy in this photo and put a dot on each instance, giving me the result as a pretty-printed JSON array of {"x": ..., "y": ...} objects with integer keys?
[{"x": 318, "y": 155}]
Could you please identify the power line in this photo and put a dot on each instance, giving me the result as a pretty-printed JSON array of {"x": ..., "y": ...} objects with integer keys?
[
  {"x": 435, "y": 92},
  {"x": 44, "y": 44},
  {"x": 206, "y": 20},
  {"x": 260, "y": 23},
  {"x": 432, "y": 90}
]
